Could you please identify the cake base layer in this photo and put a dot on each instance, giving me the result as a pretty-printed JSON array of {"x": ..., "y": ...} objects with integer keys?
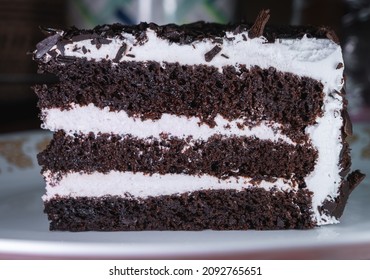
[{"x": 252, "y": 208}]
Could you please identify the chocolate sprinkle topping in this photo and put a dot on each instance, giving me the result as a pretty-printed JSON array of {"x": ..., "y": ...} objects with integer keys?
[
  {"x": 180, "y": 34},
  {"x": 259, "y": 24},
  {"x": 84, "y": 50},
  {"x": 340, "y": 65},
  {"x": 330, "y": 34},
  {"x": 45, "y": 45},
  {"x": 99, "y": 41},
  {"x": 120, "y": 53},
  {"x": 355, "y": 178},
  {"x": 347, "y": 123},
  {"x": 336, "y": 207},
  {"x": 212, "y": 53}
]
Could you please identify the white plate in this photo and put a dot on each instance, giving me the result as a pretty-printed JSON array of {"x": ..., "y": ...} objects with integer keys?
[{"x": 24, "y": 227}]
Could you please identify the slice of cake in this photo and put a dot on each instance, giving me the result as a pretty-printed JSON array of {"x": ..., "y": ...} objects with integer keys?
[{"x": 191, "y": 127}]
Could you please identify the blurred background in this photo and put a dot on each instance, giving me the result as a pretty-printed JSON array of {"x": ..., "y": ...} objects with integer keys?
[{"x": 20, "y": 21}]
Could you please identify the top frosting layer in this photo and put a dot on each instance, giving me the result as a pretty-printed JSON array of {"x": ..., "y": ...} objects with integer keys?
[{"x": 317, "y": 58}]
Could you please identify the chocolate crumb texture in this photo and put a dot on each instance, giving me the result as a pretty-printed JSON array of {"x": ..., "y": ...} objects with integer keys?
[{"x": 200, "y": 210}]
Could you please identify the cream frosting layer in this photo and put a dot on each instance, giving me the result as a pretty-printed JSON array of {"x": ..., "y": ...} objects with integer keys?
[
  {"x": 140, "y": 185},
  {"x": 311, "y": 57},
  {"x": 326, "y": 136},
  {"x": 85, "y": 119}
]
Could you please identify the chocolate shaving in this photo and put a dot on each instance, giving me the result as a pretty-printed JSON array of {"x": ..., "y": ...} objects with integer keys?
[
  {"x": 217, "y": 41},
  {"x": 225, "y": 56},
  {"x": 336, "y": 207},
  {"x": 259, "y": 25},
  {"x": 45, "y": 45},
  {"x": 340, "y": 65},
  {"x": 82, "y": 37},
  {"x": 354, "y": 179},
  {"x": 130, "y": 55},
  {"x": 329, "y": 33},
  {"x": 142, "y": 38},
  {"x": 332, "y": 36},
  {"x": 238, "y": 30},
  {"x": 212, "y": 53},
  {"x": 120, "y": 53},
  {"x": 347, "y": 127},
  {"x": 244, "y": 37},
  {"x": 84, "y": 50},
  {"x": 60, "y": 46},
  {"x": 48, "y": 30},
  {"x": 66, "y": 59},
  {"x": 99, "y": 41}
]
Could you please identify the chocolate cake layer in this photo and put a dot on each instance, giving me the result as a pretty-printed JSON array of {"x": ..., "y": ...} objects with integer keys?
[
  {"x": 218, "y": 209},
  {"x": 218, "y": 156},
  {"x": 148, "y": 90}
]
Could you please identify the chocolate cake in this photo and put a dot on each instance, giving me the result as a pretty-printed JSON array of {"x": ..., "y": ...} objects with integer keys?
[{"x": 192, "y": 127}]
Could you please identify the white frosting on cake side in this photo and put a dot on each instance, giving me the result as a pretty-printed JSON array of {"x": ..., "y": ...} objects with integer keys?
[
  {"x": 85, "y": 119},
  {"x": 140, "y": 185},
  {"x": 326, "y": 137}
]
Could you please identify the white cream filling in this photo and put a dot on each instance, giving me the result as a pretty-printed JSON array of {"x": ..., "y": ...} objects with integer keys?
[
  {"x": 85, "y": 119},
  {"x": 311, "y": 57},
  {"x": 140, "y": 185}
]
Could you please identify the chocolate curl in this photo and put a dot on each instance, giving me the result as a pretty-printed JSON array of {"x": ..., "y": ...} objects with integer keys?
[
  {"x": 355, "y": 178},
  {"x": 212, "y": 53},
  {"x": 48, "y": 30},
  {"x": 330, "y": 34},
  {"x": 347, "y": 123},
  {"x": 259, "y": 24}
]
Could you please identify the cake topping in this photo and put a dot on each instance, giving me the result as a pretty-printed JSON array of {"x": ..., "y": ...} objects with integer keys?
[
  {"x": 330, "y": 34},
  {"x": 99, "y": 41},
  {"x": 212, "y": 53},
  {"x": 355, "y": 178},
  {"x": 120, "y": 53},
  {"x": 340, "y": 65},
  {"x": 45, "y": 45},
  {"x": 347, "y": 123},
  {"x": 259, "y": 24}
]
